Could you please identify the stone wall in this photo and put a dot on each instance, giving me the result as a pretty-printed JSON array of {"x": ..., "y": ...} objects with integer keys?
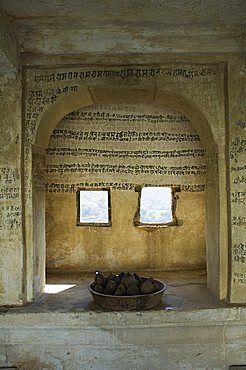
[
  {"x": 11, "y": 211},
  {"x": 50, "y": 94},
  {"x": 237, "y": 168},
  {"x": 122, "y": 146},
  {"x": 196, "y": 91},
  {"x": 211, "y": 339}
]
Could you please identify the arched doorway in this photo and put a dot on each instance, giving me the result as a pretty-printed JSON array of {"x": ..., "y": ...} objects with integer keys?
[{"x": 215, "y": 208}]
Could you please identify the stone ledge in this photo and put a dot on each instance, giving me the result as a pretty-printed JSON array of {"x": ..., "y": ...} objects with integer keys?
[{"x": 154, "y": 318}]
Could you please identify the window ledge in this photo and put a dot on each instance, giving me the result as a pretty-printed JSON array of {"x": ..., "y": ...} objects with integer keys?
[{"x": 158, "y": 226}]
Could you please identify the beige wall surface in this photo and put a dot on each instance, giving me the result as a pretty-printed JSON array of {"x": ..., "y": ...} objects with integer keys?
[
  {"x": 208, "y": 339},
  {"x": 11, "y": 237},
  {"x": 121, "y": 146},
  {"x": 51, "y": 94},
  {"x": 124, "y": 246},
  {"x": 237, "y": 168},
  {"x": 194, "y": 91}
]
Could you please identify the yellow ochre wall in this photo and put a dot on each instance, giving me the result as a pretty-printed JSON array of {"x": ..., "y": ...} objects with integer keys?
[{"x": 121, "y": 146}]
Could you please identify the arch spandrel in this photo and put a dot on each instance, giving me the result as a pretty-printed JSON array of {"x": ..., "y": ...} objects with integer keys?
[{"x": 54, "y": 113}]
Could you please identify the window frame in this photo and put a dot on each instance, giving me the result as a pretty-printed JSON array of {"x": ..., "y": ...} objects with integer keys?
[
  {"x": 174, "y": 222},
  {"x": 94, "y": 224}
]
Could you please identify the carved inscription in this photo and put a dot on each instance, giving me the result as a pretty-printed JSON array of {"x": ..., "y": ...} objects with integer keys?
[
  {"x": 71, "y": 188},
  {"x": 92, "y": 152},
  {"x": 8, "y": 175},
  {"x": 9, "y": 178},
  {"x": 239, "y": 253},
  {"x": 101, "y": 116},
  {"x": 239, "y": 221},
  {"x": 238, "y": 146},
  {"x": 123, "y": 136},
  {"x": 238, "y": 197},
  {"x": 10, "y": 193},
  {"x": 36, "y": 102},
  {"x": 238, "y": 168},
  {"x": 141, "y": 143},
  {"x": 10, "y": 217},
  {"x": 126, "y": 169},
  {"x": 239, "y": 180},
  {"x": 238, "y": 201},
  {"x": 238, "y": 278},
  {"x": 124, "y": 74},
  {"x": 10, "y": 209},
  {"x": 45, "y": 87}
]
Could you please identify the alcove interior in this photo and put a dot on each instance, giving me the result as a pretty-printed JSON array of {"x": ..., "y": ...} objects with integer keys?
[
  {"x": 171, "y": 154},
  {"x": 120, "y": 147}
]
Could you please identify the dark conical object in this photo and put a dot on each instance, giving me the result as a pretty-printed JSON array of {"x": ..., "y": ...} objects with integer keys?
[
  {"x": 128, "y": 279},
  {"x": 121, "y": 290},
  {"x": 138, "y": 280},
  {"x": 132, "y": 289},
  {"x": 109, "y": 276},
  {"x": 147, "y": 286},
  {"x": 116, "y": 279},
  {"x": 156, "y": 287},
  {"x": 110, "y": 287},
  {"x": 121, "y": 274},
  {"x": 98, "y": 288},
  {"x": 137, "y": 277},
  {"x": 100, "y": 279}
]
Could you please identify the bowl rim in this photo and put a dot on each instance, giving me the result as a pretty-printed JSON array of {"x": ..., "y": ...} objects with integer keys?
[{"x": 164, "y": 286}]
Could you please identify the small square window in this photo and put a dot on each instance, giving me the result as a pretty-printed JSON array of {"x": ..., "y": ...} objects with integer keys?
[
  {"x": 157, "y": 206},
  {"x": 93, "y": 207}
]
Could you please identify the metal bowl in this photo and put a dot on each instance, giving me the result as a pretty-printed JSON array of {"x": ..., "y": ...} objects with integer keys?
[{"x": 129, "y": 302}]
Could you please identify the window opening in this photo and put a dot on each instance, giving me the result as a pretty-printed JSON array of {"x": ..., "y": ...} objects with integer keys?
[
  {"x": 93, "y": 207},
  {"x": 156, "y": 206}
]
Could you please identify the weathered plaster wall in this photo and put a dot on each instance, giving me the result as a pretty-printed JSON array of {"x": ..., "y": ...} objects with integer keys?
[
  {"x": 9, "y": 51},
  {"x": 125, "y": 28},
  {"x": 192, "y": 89},
  {"x": 11, "y": 236},
  {"x": 124, "y": 246},
  {"x": 122, "y": 146},
  {"x": 38, "y": 160},
  {"x": 45, "y": 94},
  {"x": 237, "y": 168},
  {"x": 211, "y": 339}
]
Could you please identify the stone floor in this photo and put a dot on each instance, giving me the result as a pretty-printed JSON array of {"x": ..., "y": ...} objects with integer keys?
[
  {"x": 68, "y": 292},
  {"x": 189, "y": 330}
]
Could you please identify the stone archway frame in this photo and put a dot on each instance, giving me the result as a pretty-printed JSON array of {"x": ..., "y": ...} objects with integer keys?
[
  {"x": 216, "y": 212},
  {"x": 54, "y": 114}
]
